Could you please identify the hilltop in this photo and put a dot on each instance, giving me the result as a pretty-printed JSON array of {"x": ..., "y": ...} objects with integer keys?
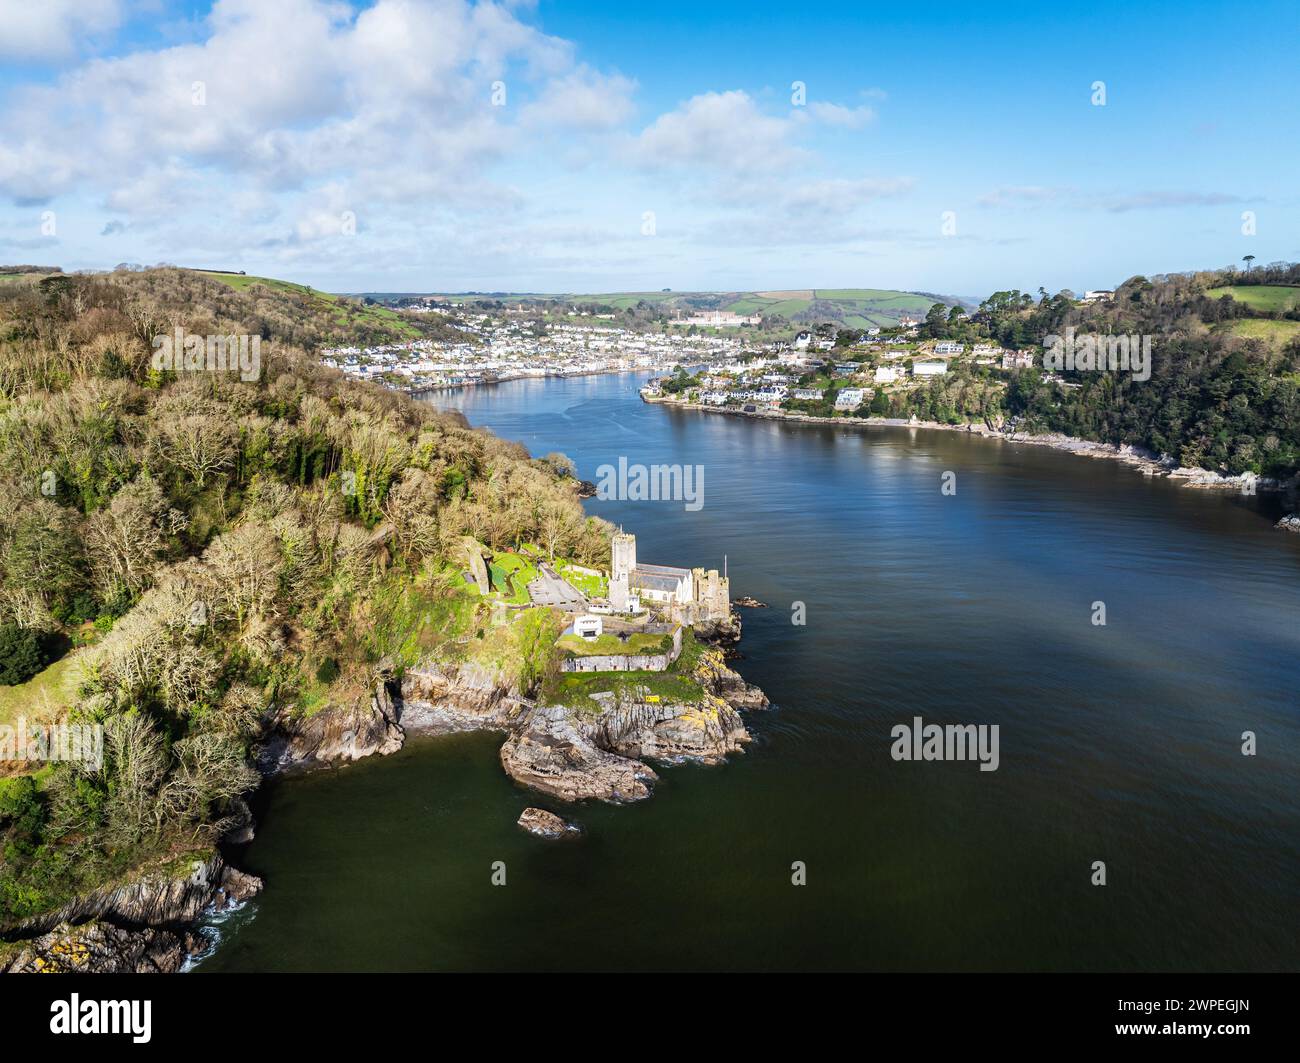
[{"x": 849, "y": 307}]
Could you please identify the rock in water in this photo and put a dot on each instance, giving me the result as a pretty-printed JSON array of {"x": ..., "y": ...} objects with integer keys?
[{"x": 544, "y": 824}]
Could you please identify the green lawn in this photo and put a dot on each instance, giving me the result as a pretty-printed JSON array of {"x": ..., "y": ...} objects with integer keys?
[
  {"x": 1266, "y": 297},
  {"x": 591, "y": 586},
  {"x": 511, "y": 574}
]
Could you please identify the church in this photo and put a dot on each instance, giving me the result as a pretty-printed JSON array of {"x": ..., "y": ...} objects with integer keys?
[{"x": 687, "y": 595}]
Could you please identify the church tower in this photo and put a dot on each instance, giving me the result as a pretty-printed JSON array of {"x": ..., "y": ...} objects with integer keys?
[{"x": 622, "y": 564}]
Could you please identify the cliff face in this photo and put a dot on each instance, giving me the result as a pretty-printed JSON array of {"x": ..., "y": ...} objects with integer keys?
[
  {"x": 579, "y": 753},
  {"x": 137, "y": 926},
  {"x": 336, "y": 734}
]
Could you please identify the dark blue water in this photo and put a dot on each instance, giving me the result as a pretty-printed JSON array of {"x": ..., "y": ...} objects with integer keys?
[{"x": 1119, "y": 743}]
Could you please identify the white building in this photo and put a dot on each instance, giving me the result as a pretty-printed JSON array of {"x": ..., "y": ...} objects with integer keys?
[
  {"x": 935, "y": 368},
  {"x": 849, "y": 399},
  {"x": 885, "y": 374},
  {"x": 588, "y": 626},
  {"x": 948, "y": 347}
]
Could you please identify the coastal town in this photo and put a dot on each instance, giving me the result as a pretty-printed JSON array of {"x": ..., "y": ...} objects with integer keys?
[
  {"x": 514, "y": 344},
  {"x": 866, "y": 376}
]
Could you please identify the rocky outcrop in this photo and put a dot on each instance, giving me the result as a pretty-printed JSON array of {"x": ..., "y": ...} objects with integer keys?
[
  {"x": 724, "y": 632},
  {"x": 577, "y": 754},
  {"x": 545, "y": 824},
  {"x": 140, "y": 925},
  {"x": 332, "y": 735},
  {"x": 101, "y": 948},
  {"x": 549, "y": 753},
  {"x": 1291, "y": 522}
]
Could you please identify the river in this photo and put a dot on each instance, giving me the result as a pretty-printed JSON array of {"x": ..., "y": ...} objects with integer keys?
[{"x": 1119, "y": 743}]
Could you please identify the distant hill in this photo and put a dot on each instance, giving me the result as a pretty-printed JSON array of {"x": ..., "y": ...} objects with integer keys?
[{"x": 849, "y": 307}]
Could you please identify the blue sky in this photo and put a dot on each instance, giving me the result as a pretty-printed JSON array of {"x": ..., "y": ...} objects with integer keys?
[{"x": 951, "y": 148}]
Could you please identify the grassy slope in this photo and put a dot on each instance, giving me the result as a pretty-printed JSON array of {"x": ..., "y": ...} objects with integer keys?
[
  {"x": 1266, "y": 297},
  {"x": 342, "y": 309},
  {"x": 44, "y": 694},
  {"x": 1275, "y": 333}
]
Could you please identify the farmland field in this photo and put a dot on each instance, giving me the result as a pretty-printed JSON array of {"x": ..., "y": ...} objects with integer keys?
[
  {"x": 1266, "y": 297},
  {"x": 1274, "y": 332}
]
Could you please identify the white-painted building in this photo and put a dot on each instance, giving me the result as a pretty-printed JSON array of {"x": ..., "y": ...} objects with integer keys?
[
  {"x": 849, "y": 399},
  {"x": 934, "y": 368},
  {"x": 885, "y": 374}
]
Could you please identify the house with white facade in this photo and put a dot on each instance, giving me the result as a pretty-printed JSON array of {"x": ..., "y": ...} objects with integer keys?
[
  {"x": 931, "y": 368},
  {"x": 849, "y": 398},
  {"x": 886, "y": 374}
]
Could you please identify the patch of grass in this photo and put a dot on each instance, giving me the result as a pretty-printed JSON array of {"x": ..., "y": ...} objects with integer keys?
[
  {"x": 575, "y": 688},
  {"x": 593, "y": 586},
  {"x": 1275, "y": 333},
  {"x": 608, "y": 645},
  {"x": 1265, "y": 297},
  {"x": 46, "y": 695},
  {"x": 511, "y": 574}
]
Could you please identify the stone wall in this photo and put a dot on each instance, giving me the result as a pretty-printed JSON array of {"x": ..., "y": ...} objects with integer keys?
[{"x": 626, "y": 662}]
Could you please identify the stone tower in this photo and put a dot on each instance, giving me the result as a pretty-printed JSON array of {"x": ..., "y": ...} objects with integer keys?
[
  {"x": 712, "y": 595},
  {"x": 622, "y": 563}
]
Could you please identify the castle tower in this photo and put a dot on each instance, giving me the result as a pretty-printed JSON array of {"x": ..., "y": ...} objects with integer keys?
[{"x": 622, "y": 564}]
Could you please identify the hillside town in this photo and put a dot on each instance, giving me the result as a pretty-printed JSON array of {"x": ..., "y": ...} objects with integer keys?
[
  {"x": 509, "y": 346},
  {"x": 868, "y": 376}
]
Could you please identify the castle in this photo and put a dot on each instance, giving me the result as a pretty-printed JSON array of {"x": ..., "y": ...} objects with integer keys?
[{"x": 687, "y": 595}]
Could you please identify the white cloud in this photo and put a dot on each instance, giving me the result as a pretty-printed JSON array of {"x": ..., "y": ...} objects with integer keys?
[
  {"x": 38, "y": 30},
  {"x": 722, "y": 130},
  {"x": 582, "y": 99}
]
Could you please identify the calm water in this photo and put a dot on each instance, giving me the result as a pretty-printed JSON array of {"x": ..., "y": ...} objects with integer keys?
[{"x": 1118, "y": 743}]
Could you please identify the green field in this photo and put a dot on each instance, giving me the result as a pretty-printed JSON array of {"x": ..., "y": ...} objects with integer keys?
[
  {"x": 344, "y": 310},
  {"x": 1276, "y": 333},
  {"x": 1265, "y": 297}
]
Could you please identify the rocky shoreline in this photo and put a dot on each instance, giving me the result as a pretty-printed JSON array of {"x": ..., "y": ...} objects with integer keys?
[
  {"x": 1144, "y": 461},
  {"x": 144, "y": 926},
  {"x": 593, "y": 752}
]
